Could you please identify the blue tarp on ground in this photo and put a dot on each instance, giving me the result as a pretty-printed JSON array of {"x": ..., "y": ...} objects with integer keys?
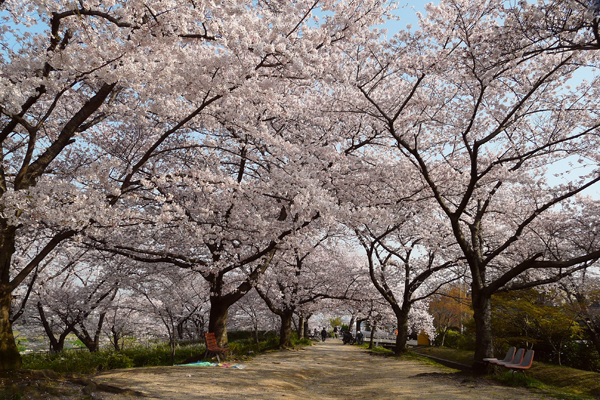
[{"x": 209, "y": 364}]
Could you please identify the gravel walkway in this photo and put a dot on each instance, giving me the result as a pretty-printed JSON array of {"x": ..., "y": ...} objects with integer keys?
[{"x": 327, "y": 370}]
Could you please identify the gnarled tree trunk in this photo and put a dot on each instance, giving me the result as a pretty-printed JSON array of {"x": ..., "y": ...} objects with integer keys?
[
  {"x": 10, "y": 359},
  {"x": 402, "y": 318},
  {"x": 484, "y": 345},
  {"x": 306, "y": 332},
  {"x": 55, "y": 345},
  {"x": 300, "y": 326},
  {"x": 285, "y": 332},
  {"x": 373, "y": 330},
  {"x": 217, "y": 320}
]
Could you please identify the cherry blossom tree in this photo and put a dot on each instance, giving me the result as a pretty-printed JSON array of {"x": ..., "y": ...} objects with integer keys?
[
  {"x": 122, "y": 320},
  {"x": 405, "y": 269},
  {"x": 102, "y": 96},
  {"x": 251, "y": 313},
  {"x": 481, "y": 126},
  {"x": 71, "y": 294},
  {"x": 410, "y": 250},
  {"x": 307, "y": 271},
  {"x": 555, "y": 25},
  {"x": 174, "y": 296}
]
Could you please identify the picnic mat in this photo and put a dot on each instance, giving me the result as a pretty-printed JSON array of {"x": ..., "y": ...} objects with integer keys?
[{"x": 209, "y": 364}]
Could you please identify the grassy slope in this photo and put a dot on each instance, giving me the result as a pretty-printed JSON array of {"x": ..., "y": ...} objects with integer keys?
[{"x": 585, "y": 383}]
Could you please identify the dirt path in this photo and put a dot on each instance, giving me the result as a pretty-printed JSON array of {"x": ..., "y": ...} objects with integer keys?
[{"x": 325, "y": 371}]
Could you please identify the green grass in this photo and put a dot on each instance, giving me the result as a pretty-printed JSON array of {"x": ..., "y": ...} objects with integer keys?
[
  {"x": 75, "y": 343},
  {"x": 459, "y": 356},
  {"x": 409, "y": 356},
  {"x": 557, "y": 381},
  {"x": 376, "y": 349}
]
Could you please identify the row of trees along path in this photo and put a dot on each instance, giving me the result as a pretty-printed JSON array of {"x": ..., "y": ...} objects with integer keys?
[{"x": 219, "y": 138}]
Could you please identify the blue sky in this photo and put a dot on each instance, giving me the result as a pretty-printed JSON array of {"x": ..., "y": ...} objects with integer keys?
[
  {"x": 408, "y": 15},
  {"x": 571, "y": 168}
]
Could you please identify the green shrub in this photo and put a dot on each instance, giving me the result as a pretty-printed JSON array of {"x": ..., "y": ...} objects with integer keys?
[
  {"x": 64, "y": 362},
  {"x": 82, "y": 361},
  {"x": 302, "y": 342},
  {"x": 243, "y": 348},
  {"x": 116, "y": 360},
  {"x": 459, "y": 341},
  {"x": 11, "y": 393},
  {"x": 154, "y": 356},
  {"x": 466, "y": 342},
  {"x": 270, "y": 341},
  {"x": 149, "y": 356},
  {"x": 236, "y": 336},
  {"x": 581, "y": 355},
  {"x": 452, "y": 339}
]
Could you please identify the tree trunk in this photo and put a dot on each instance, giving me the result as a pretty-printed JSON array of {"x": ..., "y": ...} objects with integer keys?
[
  {"x": 180, "y": 330},
  {"x": 83, "y": 335},
  {"x": 55, "y": 345},
  {"x": 172, "y": 347},
  {"x": 351, "y": 323},
  {"x": 285, "y": 332},
  {"x": 306, "y": 332},
  {"x": 484, "y": 345},
  {"x": 595, "y": 338},
  {"x": 217, "y": 322},
  {"x": 402, "y": 336},
  {"x": 256, "y": 332},
  {"x": 358, "y": 324},
  {"x": 199, "y": 327},
  {"x": 116, "y": 336},
  {"x": 373, "y": 329},
  {"x": 300, "y": 327},
  {"x": 10, "y": 359},
  {"x": 444, "y": 331},
  {"x": 92, "y": 344}
]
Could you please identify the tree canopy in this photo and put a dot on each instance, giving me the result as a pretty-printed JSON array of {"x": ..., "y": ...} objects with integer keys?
[{"x": 210, "y": 149}]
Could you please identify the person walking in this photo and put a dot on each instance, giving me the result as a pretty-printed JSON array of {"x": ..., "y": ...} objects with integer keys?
[
  {"x": 324, "y": 334},
  {"x": 359, "y": 337},
  {"x": 335, "y": 332}
]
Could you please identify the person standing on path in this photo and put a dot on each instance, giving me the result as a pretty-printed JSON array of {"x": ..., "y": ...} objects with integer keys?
[
  {"x": 359, "y": 337},
  {"x": 335, "y": 331},
  {"x": 323, "y": 333}
]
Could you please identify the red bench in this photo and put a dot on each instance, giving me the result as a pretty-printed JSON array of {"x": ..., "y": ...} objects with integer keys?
[
  {"x": 526, "y": 363},
  {"x": 516, "y": 359},
  {"x": 212, "y": 348},
  {"x": 510, "y": 355}
]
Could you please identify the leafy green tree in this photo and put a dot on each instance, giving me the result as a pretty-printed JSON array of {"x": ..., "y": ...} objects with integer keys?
[
  {"x": 582, "y": 294},
  {"x": 529, "y": 318},
  {"x": 451, "y": 308},
  {"x": 337, "y": 321}
]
